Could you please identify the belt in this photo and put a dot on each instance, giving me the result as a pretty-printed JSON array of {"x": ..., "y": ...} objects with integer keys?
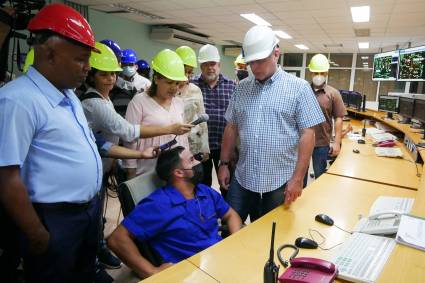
[{"x": 67, "y": 205}]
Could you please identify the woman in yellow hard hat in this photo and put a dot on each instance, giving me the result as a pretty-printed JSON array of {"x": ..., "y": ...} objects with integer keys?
[
  {"x": 159, "y": 107},
  {"x": 100, "y": 112},
  {"x": 193, "y": 104}
]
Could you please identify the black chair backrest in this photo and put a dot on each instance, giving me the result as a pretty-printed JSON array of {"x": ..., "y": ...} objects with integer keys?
[{"x": 129, "y": 194}]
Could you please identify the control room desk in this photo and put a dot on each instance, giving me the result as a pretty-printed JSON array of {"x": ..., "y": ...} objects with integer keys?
[
  {"x": 183, "y": 271},
  {"x": 241, "y": 257},
  {"x": 366, "y": 165}
]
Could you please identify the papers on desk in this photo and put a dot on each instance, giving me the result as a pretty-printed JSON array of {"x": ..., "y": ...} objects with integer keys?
[
  {"x": 388, "y": 152},
  {"x": 394, "y": 204},
  {"x": 378, "y": 137},
  {"x": 354, "y": 137},
  {"x": 374, "y": 131},
  {"x": 411, "y": 232}
]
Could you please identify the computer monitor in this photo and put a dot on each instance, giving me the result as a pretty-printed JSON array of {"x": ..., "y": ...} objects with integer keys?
[
  {"x": 419, "y": 112},
  {"x": 355, "y": 100},
  {"x": 405, "y": 108},
  {"x": 385, "y": 66},
  {"x": 388, "y": 104},
  {"x": 345, "y": 96},
  {"x": 411, "y": 64}
]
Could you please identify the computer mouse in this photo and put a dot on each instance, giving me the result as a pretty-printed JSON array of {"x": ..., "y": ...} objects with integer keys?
[
  {"x": 361, "y": 141},
  {"x": 356, "y": 151},
  {"x": 306, "y": 243},
  {"x": 323, "y": 218}
]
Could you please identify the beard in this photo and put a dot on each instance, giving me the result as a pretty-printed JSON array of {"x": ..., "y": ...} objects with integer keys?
[{"x": 210, "y": 77}]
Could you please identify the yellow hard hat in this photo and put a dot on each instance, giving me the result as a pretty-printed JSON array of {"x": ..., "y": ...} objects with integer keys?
[
  {"x": 29, "y": 60},
  {"x": 169, "y": 64},
  {"x": 105, "y": 60},
  {"x": 187, "y": 55},
  {"x": 319, "y": 64},
  {"x": 239, "y": 60}
]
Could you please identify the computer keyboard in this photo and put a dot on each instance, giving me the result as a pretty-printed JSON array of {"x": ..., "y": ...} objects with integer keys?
[{"x": 362, "y": 257}]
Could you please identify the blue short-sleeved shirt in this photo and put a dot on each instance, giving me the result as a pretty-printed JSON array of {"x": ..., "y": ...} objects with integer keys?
[
  {"x": 45, "y": 132},
  {"x": 178, "y": 228},
  {"x": 270, "y": 117}
]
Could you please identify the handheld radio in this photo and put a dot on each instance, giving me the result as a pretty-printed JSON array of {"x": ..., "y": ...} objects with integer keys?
[{"x": 271, "y": 270}]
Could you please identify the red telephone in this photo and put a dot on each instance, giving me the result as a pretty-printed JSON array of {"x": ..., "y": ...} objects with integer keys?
[
  {"x": 388, "y": 143},
  {"x": 309, "y": 270}
]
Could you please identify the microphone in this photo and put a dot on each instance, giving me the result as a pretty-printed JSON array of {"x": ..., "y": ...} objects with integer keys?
[{"x": 202, "y": 118}]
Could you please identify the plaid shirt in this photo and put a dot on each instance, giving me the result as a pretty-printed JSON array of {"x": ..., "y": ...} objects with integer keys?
[
  {"x": 270, "y": 117},
  {"x": 216, "y": 101}
]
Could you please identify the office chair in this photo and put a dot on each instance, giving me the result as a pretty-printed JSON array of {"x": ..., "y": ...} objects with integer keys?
[
  {"x": 132, "y": 192},
  {"x": 129, "y": 194}
]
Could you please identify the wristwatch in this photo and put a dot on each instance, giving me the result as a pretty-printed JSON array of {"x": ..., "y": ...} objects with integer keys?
[{"x": 223, "y": 163}]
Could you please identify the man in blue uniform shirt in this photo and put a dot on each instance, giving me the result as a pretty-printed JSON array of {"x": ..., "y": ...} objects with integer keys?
[
  {"x": 177, "y": 220},
  {"x": 50, "y": 170}
]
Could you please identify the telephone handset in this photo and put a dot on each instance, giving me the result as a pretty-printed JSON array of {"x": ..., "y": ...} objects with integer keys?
[
  {"x": 389, "y": 214},
  {"x": 308, "y": 269},
  {"x": 382, "y": 223}
]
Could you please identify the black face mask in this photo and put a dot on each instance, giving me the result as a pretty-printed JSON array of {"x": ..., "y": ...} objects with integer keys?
[
  {"x": 198, "y": 174},
  {"x": 242, "y": 74}
]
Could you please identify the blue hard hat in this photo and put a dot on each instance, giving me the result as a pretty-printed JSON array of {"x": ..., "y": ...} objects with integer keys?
[
  {"x": 114, "y": 46},
  {"x": 143, "y": 65},
  {"x": 129, "y": 56}
]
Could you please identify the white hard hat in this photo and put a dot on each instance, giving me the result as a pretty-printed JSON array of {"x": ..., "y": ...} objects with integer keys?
[
  {"x": 258, "y": 43},
  {"x": 208, "y": 53}
]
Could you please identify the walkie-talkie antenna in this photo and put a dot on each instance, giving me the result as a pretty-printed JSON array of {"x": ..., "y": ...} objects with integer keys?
[
  {"x": 271, "y": 270},
  {"x": 272, "y": 243}
]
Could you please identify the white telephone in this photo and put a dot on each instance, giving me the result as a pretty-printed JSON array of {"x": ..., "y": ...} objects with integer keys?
[
  {"x": 385, "y": 215},
  {"x": 383, "y": 223}
]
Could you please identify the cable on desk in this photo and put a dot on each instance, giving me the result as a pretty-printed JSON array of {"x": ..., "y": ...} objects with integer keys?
[
  {"x": 323, "y": 240},
  {"x": 416, "y": 166}
]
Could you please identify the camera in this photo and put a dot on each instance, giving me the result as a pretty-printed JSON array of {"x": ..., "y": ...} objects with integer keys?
[{"x": 23, "y": 12}]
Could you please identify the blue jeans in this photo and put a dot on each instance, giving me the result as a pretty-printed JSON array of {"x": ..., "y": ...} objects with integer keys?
[
  {"x": 320, "y": 160},
  {"x": 246, "y": 202}
]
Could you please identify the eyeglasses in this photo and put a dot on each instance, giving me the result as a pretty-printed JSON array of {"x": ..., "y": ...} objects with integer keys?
[{"x": 199, "y": 156}]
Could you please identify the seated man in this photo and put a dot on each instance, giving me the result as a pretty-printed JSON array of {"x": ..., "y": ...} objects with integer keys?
[{"x": 177, "y": 220}]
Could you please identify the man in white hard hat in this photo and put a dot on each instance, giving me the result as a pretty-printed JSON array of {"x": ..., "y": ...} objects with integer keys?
[
  {"x": 216, "y": 90},
  {"x": 333, "y": 109},
  {"x": 273, "y": 113}
]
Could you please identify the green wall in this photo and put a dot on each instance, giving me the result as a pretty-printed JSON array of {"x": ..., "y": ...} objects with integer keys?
[{"x": 135, "y": 35}]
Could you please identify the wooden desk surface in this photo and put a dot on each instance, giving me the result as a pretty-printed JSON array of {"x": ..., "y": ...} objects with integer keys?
[
  {"x": 241, "y": 257},
  {"x": 367, "y": 166},
  {"x": 184, "y": 271},
  {"x": 406, "y": 129}
]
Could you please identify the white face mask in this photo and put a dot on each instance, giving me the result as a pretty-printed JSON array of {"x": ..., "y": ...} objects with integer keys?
[
  {"x": 318, "y": 80},
  {"x": 129, "y": 71}
]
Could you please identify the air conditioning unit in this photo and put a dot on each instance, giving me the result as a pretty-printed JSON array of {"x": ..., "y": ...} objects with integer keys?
[{"x": 178, "y": 37}]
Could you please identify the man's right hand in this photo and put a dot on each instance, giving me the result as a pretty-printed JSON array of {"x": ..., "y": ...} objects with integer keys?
[
  {"x": 180, "y": 129},
  {"x": 224, "y": 177},
  {"x": 39, "y": 243},
  {"x": 161, "y": 267}
]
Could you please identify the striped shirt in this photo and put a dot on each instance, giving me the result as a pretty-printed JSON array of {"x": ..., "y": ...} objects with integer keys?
[
  {"x": 270, "y": 117},
  {"x": 216, "y": 101}
]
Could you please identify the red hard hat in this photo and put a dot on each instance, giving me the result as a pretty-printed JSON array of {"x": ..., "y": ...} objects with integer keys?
[{"x": 65, "y": 21}]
